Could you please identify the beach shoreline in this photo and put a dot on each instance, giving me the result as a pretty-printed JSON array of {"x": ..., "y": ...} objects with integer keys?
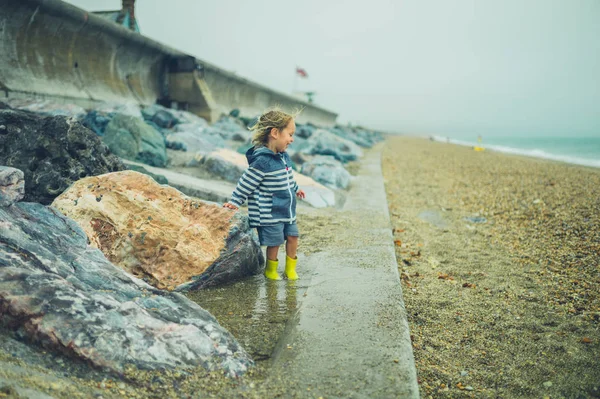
[{"x": 498, "y": 255}]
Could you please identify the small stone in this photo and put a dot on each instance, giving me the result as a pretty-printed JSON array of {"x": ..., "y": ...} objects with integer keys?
[
  {"x": 469, "y": 388},
  {"x": 12, "y": 185},
  {"x": 464, "y": 373},
  {"x": 547, "y": 384}
]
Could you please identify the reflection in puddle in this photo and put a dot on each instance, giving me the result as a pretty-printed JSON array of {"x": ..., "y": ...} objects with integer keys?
[{"x": 255, "y": 310}]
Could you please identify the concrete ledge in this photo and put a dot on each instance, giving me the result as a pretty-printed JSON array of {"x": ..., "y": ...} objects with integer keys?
[{"x": 351, "y": 336}]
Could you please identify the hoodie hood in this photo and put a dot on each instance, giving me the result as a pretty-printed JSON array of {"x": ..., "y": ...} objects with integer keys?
[{"x": 255, "y": 152}]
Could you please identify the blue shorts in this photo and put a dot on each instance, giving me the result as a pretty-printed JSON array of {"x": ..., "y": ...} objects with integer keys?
[{"x": 275, "y": 235}]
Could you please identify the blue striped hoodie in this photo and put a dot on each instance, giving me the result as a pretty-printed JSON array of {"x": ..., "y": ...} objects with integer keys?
[{"x": 269, "y": 186}]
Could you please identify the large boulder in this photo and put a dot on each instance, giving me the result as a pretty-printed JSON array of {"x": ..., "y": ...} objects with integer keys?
[
  {"x": 155, "y": 232},
  {"x": 317, "y": 195},
  {"x": 159, "y": 115},
  {"x": 96, "y": 121},
  {"x": 323, "y": 142},
  {"x": 328, "y": 171},
  {"x": 227, "y": 164},
  {"x": 53, "y": 152},
  {"x": 58, "y": 292},
  {"x": 99, "y": 117},
  {"x": 12, "y": 185},
  {"x": 131, "y": 138}
]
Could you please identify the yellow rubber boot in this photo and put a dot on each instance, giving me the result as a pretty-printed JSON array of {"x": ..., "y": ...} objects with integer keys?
[
  {"x": 271, "y": 270},
  {"x": 290, "y": 268}
]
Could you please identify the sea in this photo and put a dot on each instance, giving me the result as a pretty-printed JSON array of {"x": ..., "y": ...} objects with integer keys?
[{"x": 574, "y": 150}]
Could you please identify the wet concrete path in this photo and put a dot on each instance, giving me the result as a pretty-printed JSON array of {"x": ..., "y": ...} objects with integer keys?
[{"x": 350, "y": 336}]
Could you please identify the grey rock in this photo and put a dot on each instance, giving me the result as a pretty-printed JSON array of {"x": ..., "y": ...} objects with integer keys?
[
  {"x": 176, "y": 145},
  {"x": 298, "y": 146},
  {"x": 178, "y": 116},
  {"x": 65, "y": 296},
  {"x": 197, "y": 140},
  {"x": 362, "y": 137},
  {"x": 226, "y": 169},
  {"x": 304, "y": 131},
  {"x": 327, "y": 171},
  {"x": 299, "y": 158},
  {"x": 231, "y": 129},
  {"x": 475, "y": 219},
  {"x": 99, "y": 117},
  {"x": 323, "y": 142},
  {"x": 318, "y": 197},
  {"x": 161, "y": 116},
  {"x": 12, "y": 185},
  {"x": 131, "y": 138},
  {"x": 96, "y": 121},
  {"x": 242, "y": 257},
  {"x": 52, "y": 152}
]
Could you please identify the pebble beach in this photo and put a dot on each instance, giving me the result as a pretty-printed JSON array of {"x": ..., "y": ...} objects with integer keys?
[{"x": 499, "y": 259}]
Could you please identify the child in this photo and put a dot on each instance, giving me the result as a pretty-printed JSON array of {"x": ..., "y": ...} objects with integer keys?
[{"x": 270, "y": 188}]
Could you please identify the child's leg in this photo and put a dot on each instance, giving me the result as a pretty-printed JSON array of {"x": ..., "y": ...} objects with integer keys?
[
  {"x": 291, "y": 246},
  {"x": 272, "y": 252}
]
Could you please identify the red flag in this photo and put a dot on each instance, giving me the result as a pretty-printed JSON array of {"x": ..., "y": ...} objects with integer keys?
[{"x": 301, "y": 72}]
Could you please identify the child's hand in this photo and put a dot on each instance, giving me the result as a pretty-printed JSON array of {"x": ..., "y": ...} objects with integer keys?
[
  {"x": 230, "y": 206},
  {"x": 301, "y": 194}
]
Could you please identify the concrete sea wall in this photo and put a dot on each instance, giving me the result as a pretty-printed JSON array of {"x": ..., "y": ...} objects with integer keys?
[{"x": 54, "y": 50}]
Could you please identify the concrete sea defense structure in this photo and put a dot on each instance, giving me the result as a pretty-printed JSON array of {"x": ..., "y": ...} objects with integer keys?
[{"x": 54, "y": 50}]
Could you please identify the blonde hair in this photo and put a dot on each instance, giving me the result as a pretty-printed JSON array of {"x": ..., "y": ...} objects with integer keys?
[{"x": 272, "y": 118}]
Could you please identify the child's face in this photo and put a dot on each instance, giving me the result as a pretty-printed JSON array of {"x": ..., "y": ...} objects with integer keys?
[{"x": 281, "y": 139}]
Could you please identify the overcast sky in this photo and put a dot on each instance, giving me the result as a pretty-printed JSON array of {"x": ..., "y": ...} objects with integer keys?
[{"x": 448, "y": 67}]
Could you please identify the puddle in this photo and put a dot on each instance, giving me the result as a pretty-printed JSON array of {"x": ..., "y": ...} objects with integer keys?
[
  {"x": 433, "y": 217},
  {"x": 255, "y": 310}
]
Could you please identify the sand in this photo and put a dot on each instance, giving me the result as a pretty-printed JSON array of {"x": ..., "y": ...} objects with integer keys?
[{"x": 505, "y": 304}]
